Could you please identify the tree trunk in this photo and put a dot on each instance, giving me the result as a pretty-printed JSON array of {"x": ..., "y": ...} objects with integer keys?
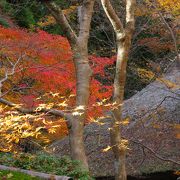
[
  {"x": 123, "y": 35},
  {"x": 79, "y": 44},
  {"x": 118, "y": 144},
  {"x": 76, "y": 130}
]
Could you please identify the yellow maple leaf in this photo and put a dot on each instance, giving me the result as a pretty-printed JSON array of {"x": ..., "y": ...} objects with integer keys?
[
  {"x": 52, "y": 130},
  {"x": 125, "y": 121},
  {"x": 106, "y": 149}
]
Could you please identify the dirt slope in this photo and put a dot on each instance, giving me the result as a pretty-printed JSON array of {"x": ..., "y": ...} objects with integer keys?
[{"x": 152, "y": 132}]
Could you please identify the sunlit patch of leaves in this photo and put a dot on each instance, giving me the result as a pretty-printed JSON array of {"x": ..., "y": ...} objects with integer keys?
[
  {"x": 14, "y": 127},
  {"x": 122, "y": 146}
]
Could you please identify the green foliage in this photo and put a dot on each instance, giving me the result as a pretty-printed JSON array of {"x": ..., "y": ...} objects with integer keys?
[
  {"x": 12, "y": 175},
  {"x": 3, "y": 22},
  {"x": 53, "y": 29},
  {"x": 5, "y": 6},
  {"x": 25, "y": 17},
  {"x": 28, "y": 13},
  {"x": 47, "y": 163}
]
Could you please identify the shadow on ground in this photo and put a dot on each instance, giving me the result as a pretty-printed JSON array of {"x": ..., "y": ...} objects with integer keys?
[{"x": 168, "y": 175}]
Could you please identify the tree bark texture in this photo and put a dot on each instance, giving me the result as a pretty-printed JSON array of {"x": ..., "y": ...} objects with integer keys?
[
  {"x": 124, "y": 36},
  {"x": 79, "y": 45}
]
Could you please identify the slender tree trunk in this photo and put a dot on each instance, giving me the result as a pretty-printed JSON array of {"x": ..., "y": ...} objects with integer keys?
[
  {"x": 79, "y": 44},
  {"x": 124, "y": 36},
  {"x": 118, "y": 144},
  {"x": 76, "y": 130}
]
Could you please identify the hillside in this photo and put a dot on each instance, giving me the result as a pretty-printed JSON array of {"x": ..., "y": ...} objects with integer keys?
[{"x": 154, "y": 113}]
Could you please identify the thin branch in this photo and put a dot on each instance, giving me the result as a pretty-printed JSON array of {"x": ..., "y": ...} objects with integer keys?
[
  {"x": 154, "y": 153},
  {"x": 112, "y": 16},
  {"x": 172, "y": 35},
  {"x": 7, "y": 74},
  {"x": 170, "y": 31},
  {"x": 62, "y": 21},
  {"x": 34, "y": 110},
  {"x": 151, "y": 110}
]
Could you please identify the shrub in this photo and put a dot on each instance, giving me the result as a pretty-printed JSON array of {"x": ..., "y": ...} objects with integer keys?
[
  {"x": 3, "y": 22},
  {"x": 44, "y": 162}
]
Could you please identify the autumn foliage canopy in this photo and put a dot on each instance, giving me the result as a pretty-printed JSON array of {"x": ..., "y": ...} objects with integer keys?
[{"x": 45, "y": 77}]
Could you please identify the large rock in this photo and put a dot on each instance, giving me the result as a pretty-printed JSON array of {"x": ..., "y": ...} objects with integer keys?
[{"x": 152, "y": 132}]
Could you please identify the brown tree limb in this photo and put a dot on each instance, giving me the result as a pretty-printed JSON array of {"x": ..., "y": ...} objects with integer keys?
[
  {"x": 35, "y": 173},
  {"x": 33, "y": 110},
  {"x": 113, "y": 17},
  {"x": 61, "y": 19},
  {"x": 124, "y": 37},
  {"x": 154, "y": 109}
]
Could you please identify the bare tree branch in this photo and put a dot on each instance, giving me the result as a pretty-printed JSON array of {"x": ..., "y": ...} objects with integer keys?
[
  {"x": 11, "y": 72},
  {"x": 114, "y": 19},
  {"x": 58, "y": 14},
  {"x": 172, "y": 35},
  {"x": 154, "y": 153},
  {"x": 169, "y": 29},
  {"x": 8, "y": 73}
]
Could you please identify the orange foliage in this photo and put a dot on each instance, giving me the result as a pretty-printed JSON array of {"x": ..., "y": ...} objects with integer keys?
[{"x": 45, "y": 77}]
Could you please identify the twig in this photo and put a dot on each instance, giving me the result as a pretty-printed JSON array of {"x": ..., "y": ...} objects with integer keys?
[{"x": 154, "y": 153}]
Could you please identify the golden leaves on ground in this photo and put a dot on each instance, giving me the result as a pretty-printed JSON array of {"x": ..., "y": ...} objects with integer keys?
[
  {"x": 145, "y": 74},
  {"x": 169, "y": 6},
  {"x": 141, "y": 10},
  {"x": 169, "y": 84},
  {"x": 177, "y": 173},
  {"x": 70, "y": 10},
  {"x": 47, "y": 21}
]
